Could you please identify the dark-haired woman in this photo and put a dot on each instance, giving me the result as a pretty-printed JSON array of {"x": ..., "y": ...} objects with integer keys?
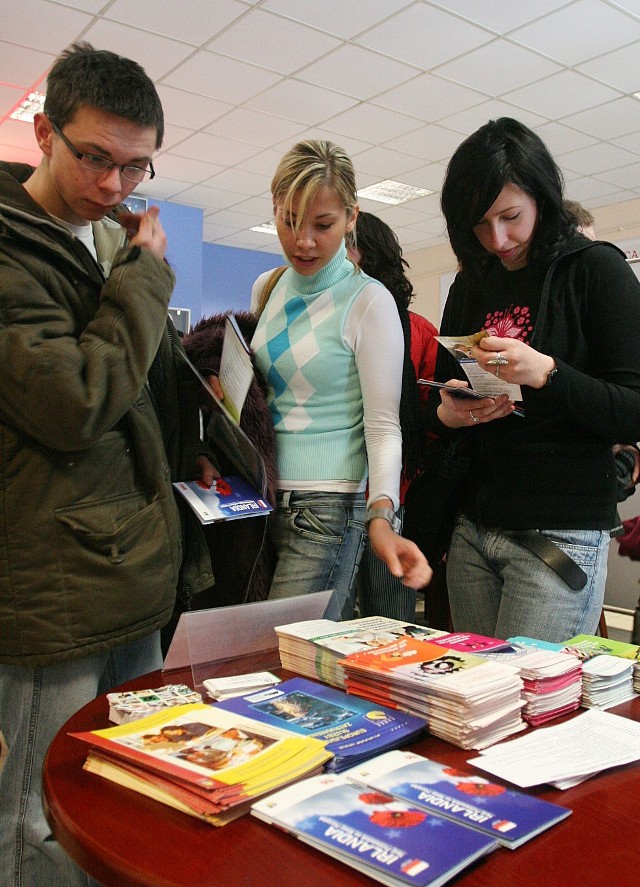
[
  {"x": 529, "y": 552},
  {"x": 376, "y": 250}
]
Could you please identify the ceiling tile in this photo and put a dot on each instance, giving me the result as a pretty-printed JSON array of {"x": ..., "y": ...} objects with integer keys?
[
  {"x": 630, "y": 142},
  {"x": 496, "y": 66},
  {"x": 17, "y": 133},
  {"x": 261, "y": 38},
  {"x": 431, "y": 142},
  {"x": 9, "y": 98},
  {"x": 220, "y": 78},
  {"x": 620, "y": 68},
  {"x": 44, "y": 26},
  {"x": 352, "y": 146},
  {"x": 468, "y": 121},
  {"x": 596, "y": 158},
  {"x": 500, "y": 15},
  {"x": 560, "y": 139},
  {"x": 586, "y": 188},
  {"x": 385, "y": 164},
  {"x": 367, "y": 121},
  {"x": 608, "y": 121},
  {"x": 625, "y": 177},
  {"x": 223, "y": 152},
  {"x": 560, "y": 94},
  {"x": 335, "y": 16},
  {"x": 579, "y": 31},
  {"x": 22, "y": 67},
  {"x": 429, "y": 97},
  {"x": 240, "y": 181},
  {"x": 209, "y": 198},
  {"x": 301, "y": 102},
  {"x": 188, "y": 109},
  {"x": 197, "y": 22},
  {"x": 157, "y": 55},
  {"x": 368, "y": 72},
  {"x": 184, "y": 169},
  {"x": 424, "y": 36},
  {"x": 254, "y": 127}
]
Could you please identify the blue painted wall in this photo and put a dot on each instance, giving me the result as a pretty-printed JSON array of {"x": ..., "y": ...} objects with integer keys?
[
  {"x": 228, "y": 275},
  {"x": 209, "y": 278},
  {"x": 183, "y": 226}
]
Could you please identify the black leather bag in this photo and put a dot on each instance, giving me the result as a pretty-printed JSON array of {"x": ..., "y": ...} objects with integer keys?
[{"x": 432, "y": 500}]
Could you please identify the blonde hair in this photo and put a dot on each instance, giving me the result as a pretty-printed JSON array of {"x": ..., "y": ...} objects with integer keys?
[{"x": 305, "y": 168}]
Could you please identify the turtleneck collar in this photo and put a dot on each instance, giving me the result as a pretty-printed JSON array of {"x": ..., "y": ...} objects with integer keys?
[{"x": 336, "y": 269}]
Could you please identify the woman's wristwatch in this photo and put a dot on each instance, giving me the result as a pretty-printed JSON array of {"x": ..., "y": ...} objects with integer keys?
[{"x": 386, "y": 514}]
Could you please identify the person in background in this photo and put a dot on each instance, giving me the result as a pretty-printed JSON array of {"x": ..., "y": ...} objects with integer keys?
[
  {"x": 376, "y": 250},
  {"x": 584, "y": 220},
  {"x": 553, "y": 305},
  {"x": 329, "y": 343},
  {"x": 90, "y": 422}
]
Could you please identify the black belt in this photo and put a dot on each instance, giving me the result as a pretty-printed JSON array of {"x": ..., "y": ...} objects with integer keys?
[{"x": 552, "y": 555}]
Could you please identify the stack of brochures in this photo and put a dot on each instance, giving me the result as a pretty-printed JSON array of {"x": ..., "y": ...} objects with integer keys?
[
  {"x": 552, "y": 679},
  {"x": 392, "y": 842},
  {"x": 607, "y": 681},
  {"x": 353, "y": 728},
  {"x": 315, "y": 647},
  {"x": 239, "y": 684},
  {"x": 509, "y": 816},
  {"x": 135, "y": 704},
  {"x": 202, "y": 760},
  {"x": 469, "y": 701},
  {"x": 588, "y": 645}
]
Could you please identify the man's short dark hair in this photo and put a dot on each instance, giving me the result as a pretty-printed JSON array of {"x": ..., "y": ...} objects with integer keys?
[{"x": 101, "y": 79}]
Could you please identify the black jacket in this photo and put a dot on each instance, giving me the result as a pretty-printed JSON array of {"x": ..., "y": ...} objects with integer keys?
[{"x": 554, "y": 468}]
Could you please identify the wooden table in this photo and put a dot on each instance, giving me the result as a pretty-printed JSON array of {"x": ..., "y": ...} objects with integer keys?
[{"x": 126, "y": 840}]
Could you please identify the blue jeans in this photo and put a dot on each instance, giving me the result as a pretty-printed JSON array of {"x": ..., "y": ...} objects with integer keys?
[
  {"x": 319, "y": 540},
  {"x": 34, "y": 704},
  {"x": 498, "y": 588},
  {"x": 380, "y": 592}
]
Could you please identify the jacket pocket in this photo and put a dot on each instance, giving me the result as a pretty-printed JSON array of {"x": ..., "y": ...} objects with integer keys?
[{"x": 117, "y": 563}]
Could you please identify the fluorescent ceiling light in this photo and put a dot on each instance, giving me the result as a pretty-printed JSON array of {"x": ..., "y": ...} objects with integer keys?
[
  {"x": 266, "y": 227},
  {"x": 30, "y": 105},
  {"x": 392, "y": 192}
]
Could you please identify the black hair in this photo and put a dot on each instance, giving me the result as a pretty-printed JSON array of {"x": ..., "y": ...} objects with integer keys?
[
  {"x": 82, "y": 75},
  {"x": 381, "y": 258},
  {"x": 500, "y": 153}
]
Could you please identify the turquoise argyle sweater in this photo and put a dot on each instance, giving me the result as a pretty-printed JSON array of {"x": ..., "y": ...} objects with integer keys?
[{"x": 315, "y": 397}]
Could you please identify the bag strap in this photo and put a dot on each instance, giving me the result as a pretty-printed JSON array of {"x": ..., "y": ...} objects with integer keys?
[
  {"x": 269, "y": 288},
  {"x": 552, "y": 555}
]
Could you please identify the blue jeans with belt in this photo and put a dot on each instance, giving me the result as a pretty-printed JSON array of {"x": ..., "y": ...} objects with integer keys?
[
  {"x": 500, "y": 589},
  {"x": 319, "y": 540}
]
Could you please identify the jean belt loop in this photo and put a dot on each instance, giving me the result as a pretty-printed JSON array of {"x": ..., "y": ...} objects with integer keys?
[{"x": 284, "y": 502}]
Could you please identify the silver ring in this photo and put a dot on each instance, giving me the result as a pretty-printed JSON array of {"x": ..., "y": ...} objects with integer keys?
[
  {"x": 475, "y": 418},
  {"x": 498, "y": 360}
]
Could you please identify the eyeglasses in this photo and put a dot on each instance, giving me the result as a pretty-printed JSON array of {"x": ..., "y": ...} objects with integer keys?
[{"x": 100, "y": 165}]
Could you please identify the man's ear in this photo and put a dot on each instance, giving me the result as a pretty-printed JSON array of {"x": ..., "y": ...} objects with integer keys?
[{"x": 43, "y": 133}]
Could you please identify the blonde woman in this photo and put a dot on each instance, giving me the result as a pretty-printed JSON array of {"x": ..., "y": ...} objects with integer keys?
[{"x": 330, "y": 344}]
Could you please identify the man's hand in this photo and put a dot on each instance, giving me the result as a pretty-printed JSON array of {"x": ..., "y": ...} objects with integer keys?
[
  {"x": 207, "y": 472},
  {"x": 145, "y": 230}
]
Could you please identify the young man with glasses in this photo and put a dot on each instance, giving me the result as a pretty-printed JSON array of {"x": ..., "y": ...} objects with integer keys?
[{"x": 91, "y": 431}]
